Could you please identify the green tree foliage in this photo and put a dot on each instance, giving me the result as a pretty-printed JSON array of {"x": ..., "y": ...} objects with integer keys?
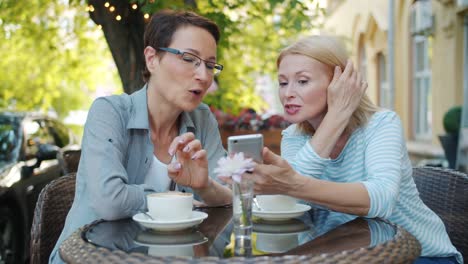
[
  {"x": 253, "y": 34},
  {"x": 52, "y": 56}
]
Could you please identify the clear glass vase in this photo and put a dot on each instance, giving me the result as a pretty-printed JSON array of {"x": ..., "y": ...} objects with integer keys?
[{"x": 242, "y": 216}]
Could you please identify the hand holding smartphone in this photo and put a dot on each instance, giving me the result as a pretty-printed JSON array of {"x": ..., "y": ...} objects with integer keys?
[{"x": 251, "y": 145}]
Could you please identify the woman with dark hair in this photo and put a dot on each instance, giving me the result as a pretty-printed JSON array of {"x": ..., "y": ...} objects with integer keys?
[{"x": 159, "y": 138}]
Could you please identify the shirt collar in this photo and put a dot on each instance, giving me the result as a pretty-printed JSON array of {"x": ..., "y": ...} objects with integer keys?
[
  {"x": 139, "y": 113},
  {"x": 186, "y": 123}
]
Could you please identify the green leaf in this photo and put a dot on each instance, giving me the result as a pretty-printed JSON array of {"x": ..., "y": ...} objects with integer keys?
[{"x": 52, "y": 58}]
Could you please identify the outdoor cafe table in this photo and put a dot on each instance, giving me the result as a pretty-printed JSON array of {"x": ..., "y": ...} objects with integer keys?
[{"x": 318, "y": 236}]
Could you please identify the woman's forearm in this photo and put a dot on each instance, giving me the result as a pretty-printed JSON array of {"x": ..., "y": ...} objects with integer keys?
[
  {"x": 351, "y": 198},
  {"x": 327, "y": 134},
  {"x": 215, "y": 193}
]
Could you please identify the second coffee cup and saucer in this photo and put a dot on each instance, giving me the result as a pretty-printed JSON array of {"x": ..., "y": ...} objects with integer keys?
[
  {"x": 278, "y": 207},
  {"x": 278, "y": 236},
  {"x": 170, "y": 211}
]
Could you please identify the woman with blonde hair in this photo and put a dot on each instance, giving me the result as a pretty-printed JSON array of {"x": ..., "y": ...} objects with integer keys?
[{"x": 343, "y": 152}]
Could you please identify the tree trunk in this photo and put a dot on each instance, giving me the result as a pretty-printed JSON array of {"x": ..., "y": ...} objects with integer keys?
[{"x": 124, "y": 38}]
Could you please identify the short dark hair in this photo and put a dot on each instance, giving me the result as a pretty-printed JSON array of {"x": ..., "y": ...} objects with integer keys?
[{"x": 163, "y": 24}]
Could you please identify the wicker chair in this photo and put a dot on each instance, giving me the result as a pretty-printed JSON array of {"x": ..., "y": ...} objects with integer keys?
[
  {"x": 445, "y": 191},
  {"x": 69, "y": 160},
  {"x": 52, "y": 207}
]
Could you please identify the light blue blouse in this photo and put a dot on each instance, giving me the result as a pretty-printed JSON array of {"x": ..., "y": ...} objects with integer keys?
[
  {"x": 116, "y": 155},
  {"x": 376, "y": 156}
]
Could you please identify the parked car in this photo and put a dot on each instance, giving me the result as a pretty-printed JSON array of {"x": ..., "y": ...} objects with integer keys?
[{"x": 29, "y": 145}]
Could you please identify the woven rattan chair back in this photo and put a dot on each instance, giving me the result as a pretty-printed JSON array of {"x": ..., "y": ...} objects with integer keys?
[
  {"x": 69, "y": 160},
  {"x": 52, "y": 207},
  {"x": 445, "y": 191}
]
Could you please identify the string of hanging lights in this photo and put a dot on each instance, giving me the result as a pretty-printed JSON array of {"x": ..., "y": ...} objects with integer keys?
[{"x": 111, "y": 8}]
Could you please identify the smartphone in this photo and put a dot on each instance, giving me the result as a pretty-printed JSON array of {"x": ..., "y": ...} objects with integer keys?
[{"x": 251, "y": 145}]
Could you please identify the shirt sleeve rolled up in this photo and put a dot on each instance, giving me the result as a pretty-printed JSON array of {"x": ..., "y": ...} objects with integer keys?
[{"x": 104, "y": 150}]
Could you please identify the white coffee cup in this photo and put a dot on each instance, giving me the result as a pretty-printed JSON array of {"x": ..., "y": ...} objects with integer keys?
[
  {"x": 276, "y": 202},
  {"x": 171, "y": 250},
  {"x": 170, "y": 206},
  {"x": 276, "y": 243}
]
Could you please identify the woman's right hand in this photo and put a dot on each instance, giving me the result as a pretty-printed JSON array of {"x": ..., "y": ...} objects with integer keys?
[
  {"x": 345, "y": 91},
  {"x": 191, "y": 167},
  {"x": 275, "y": 175}
]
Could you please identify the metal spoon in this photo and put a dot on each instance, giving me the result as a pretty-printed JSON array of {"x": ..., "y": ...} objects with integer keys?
[
  {"x": 256, "y": 204},
  {"x": 148, "y": 215}
]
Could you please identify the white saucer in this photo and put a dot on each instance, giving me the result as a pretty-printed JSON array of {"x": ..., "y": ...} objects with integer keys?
[
  {"x": 149, "y": 237},
  {"x": 298, "y": 210},
  {"x": 161, "y": 250},
  {"x": 144, "y": 220}
]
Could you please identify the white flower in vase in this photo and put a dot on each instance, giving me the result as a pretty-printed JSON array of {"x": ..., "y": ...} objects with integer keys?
[{"x": 233, "y": 167}]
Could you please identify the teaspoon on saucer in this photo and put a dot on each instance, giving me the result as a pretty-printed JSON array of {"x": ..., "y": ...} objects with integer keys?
[
  {"x": 148, "y": 215},
  {"x": 256, "y": 204}
]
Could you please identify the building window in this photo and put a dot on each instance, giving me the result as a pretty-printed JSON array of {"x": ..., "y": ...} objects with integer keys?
[
  {"x": 386, "y": 95},
  {"x": 421, "y": 30},
  {"x": 422, "y": 92},
  {"x": 363, "y": 61}
]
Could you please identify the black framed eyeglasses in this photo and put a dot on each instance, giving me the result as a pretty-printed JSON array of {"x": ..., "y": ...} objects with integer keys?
[{"x": 193, "y": 59}]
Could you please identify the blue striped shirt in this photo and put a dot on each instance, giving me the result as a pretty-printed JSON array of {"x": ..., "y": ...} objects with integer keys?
[{"x": 376, "y": 156}]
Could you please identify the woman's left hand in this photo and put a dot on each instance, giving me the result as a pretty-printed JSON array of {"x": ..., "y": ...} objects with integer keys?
[
  {"x": 275, "y": 175},
  {"x": 345, "y": 90},
  {"x": 191, "y": 167}
]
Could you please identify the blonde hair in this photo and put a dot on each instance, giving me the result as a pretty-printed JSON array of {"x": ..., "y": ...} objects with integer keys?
[{"x": 331, "y": 52}]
